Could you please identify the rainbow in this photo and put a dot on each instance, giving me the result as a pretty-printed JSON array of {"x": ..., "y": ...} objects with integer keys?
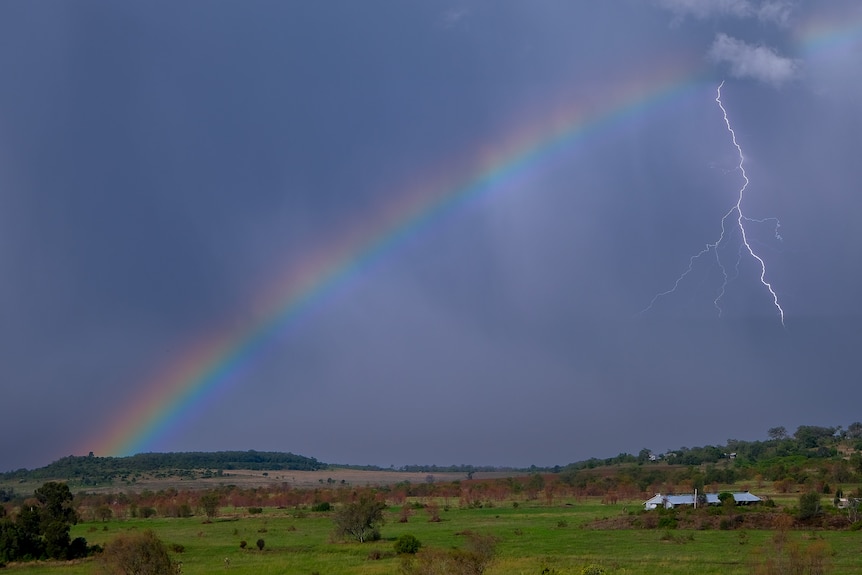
[
  {"x": 208, "y": 367},
  {"x": 823, "y": 34}
]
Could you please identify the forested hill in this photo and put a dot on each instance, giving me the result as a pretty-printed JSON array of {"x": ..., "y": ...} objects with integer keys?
[{"x": 91, "y": 470}]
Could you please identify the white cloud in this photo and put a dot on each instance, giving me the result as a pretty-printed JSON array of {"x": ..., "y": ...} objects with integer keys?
[
  {"x": 749, "y": 61},
  {"x": 707, "y": 8},
  {"x": 776, "y": 11},
  {"x": 454, "y": 16}
]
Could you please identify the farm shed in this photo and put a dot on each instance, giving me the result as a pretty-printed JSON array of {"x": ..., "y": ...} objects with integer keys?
[{"x": 670, "y": 501}]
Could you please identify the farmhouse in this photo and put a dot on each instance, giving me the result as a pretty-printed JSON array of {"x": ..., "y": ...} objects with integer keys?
[{"x": 670, "y": 501}]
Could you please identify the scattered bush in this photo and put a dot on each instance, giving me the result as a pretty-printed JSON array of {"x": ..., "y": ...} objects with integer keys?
[
  {"x": 360, "y": 520},
  {"x": 177, "y": 548},
  {"x": 136, "y": 553},
  {"x": 255, "y": 510},
  {"x": 243, "y": 544},
  {"x": 407, "y": 543},
  {"x": 406, "y": 512},
  {"x": 667, "y": 522},
  {"x": 473, "y": 560},
  {"x": 322, "y": 506},
  {"x": 260, "y": 544},
  {"x": 433, "y": 512}
]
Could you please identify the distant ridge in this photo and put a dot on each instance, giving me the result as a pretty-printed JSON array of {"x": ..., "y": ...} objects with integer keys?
[{"x": 92, "y": 470}]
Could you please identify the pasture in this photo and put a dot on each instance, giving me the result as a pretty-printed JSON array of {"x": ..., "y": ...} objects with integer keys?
[{"x": 533, "y": 536}]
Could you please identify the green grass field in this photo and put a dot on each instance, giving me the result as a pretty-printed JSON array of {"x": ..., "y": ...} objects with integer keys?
[{"x": 531, "y": 537}]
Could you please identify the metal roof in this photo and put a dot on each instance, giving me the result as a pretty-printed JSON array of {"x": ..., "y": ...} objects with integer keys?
[
  {"x": 681, "y": 499},
  {"x": 745, "y": 497},
  {"x": 711, "y": 498}
]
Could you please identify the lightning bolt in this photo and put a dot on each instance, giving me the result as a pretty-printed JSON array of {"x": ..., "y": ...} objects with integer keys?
[{"x": 726, "y": 229}]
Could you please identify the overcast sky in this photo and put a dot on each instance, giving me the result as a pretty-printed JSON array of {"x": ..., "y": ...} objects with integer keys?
[{"x": 162, "y": 163}]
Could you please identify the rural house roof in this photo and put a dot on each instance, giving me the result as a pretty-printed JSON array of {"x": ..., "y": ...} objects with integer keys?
[{"x": 669, "y": 501}]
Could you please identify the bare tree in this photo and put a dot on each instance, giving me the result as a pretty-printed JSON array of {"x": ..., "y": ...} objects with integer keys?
[{"x": 360, "y": 520}]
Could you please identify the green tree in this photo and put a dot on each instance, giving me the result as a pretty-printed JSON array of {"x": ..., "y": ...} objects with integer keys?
[
  {"x": 16, "y": 544},
  {"x": 360, "y": 520},
  {"x": 779, "y": 432},
  {"x": 809, "y": 505},
  {"x": 643, "y": 455},
  {"x": 56, "y": 517},
  {"x": 210, "y": 502},
  {"x": 811, "y": 436}
]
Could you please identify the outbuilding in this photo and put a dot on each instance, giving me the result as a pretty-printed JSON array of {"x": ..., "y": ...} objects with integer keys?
[{"x": 670, "y": 501}]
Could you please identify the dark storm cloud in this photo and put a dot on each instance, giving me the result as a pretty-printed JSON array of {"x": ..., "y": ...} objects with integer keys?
[{"x": 162, "y": 163}]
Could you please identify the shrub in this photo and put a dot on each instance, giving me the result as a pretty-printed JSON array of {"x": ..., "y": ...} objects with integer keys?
[
  {"x": 178, "y": 548},
  {"x": 407, "y": 543},
  {"x": 650, "y": 521},
  {"x": 260, "y": 543},
  {"x": 433, "y": 512},
  {"x": 322, "y": 506},
  {"x": 78, "y": 548},
  {"x": 135, "y": 553},
  {"x": 809, "y": 505},
  {"x": 592, "y": 570},
  {"x": 255, "y": 510},
  {"x": 667, "y": 522},
  {"x": 360, "y": 520},
  {"x": 243, "y": 544},
  {"x": 484, "y": 546},
  {"x": 406, "y": 512}
]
